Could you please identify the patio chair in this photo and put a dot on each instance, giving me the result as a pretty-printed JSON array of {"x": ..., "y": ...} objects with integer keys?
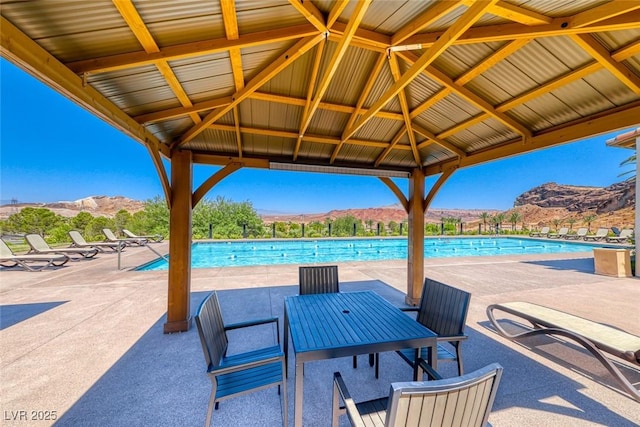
[
  {"x": 321, "y": 279},
  {"x": 582, "y": 231},
  {"x": 601, "y": 234},
  {"x": 542, "y": 233},
  {"x": 111, "y": 237},
  {"x": 77, "y": 241},
  {"x": 237, "y": 374},
  {"x": 562, "y": 232},
  {"x": 622, "y": 237},
  {"x": 8, "y": 259},
  {"x": 443, "y": 309},
  {"x": 453, "y": 402},
  {"x": 156, "y": 238},
  {"x": 40, "y": 246}
]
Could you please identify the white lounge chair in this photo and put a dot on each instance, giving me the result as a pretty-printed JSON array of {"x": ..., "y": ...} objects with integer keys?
[
  {"x": 582, "y": 231},
  {"x": 601, "y": 234},
  {"x": 40, "y": 246},
  {"x": 79, "y": 242},
  {"x": 8, "y": 259},
  {"x": 110, "y": 237},
  {"x": 157, "y": 238},
  {"x": 561, "y": 233},
  {"x": 624, "y": 235},
  {"x": 542, "y": 233}
]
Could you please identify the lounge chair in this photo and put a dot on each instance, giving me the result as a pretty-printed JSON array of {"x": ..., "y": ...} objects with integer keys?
[
  {"x": 542, "y": 233},
  {"x": 601, "y": 234},
  {"x": 237, "y": 374},
  {"x": 110, "y": 237},
  {"x": 561, "y": 233},
  {"x": 453, "y": 402},
  {"x": 156, "y": 238},
  {"x": 8, "y": 259},
  {"x": 40, "y": 246},
  {"x": 624, "y": 236},
  {"x": 321, "y": 279},
  {"x": 582, "y": 231},
  {"x": 79, "y": 242},
  {"x": 597, "y": 338}
]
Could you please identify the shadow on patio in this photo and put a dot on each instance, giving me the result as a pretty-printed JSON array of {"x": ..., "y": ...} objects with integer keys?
[{"x": 161, "y": 380}]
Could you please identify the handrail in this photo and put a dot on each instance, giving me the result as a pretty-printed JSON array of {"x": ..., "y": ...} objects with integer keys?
[{"x": 146, "y": 246}]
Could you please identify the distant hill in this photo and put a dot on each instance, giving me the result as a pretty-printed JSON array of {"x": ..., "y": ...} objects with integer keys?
[{"x": 613, "y": 206}]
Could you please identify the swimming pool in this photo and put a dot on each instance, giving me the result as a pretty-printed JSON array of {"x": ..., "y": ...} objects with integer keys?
[{"x": 309, "y": 251}]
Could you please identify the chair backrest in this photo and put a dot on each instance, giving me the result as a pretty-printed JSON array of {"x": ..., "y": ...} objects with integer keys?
[
  {"x": 5, "y": 250},
  {"x": 77, "y": 238},
  {"x": 582, "y": 231},
  {"x": 545, "y": 230},
  {"x": 626, "y": 233},
  {"x": 109, "y": 234},
  {"x": 443, "y": 308},
  {"x": 615, "y": 230},
  {"x": 211, "y": 330},
  {"x": 129, "y": 234},
  {"x": 321, "y": 279},
  {"x": 563, "y": 230},
  {"x": 453, "y": 402},
  {"x": 602, "y": 232},
  {"x": 37, "y": 242}
]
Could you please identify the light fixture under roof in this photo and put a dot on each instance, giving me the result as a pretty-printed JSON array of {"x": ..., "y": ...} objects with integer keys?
[
  {"x": 298, "y": 167},
  {"x": 404, "y": 47}
]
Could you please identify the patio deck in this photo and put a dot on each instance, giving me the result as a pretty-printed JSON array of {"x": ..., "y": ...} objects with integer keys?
[{"x": 86, "y": 341}]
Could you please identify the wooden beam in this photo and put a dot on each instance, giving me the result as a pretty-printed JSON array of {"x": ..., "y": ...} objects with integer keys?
[
  {"x": 395, "y": 72},
  {"x": 356, "y": 17},
  {"x": 433, "y": 100},
  {"x": 18, "y": 48},
  {"x": 488, "y": 62},
  {"x": 426, "y": 18},
  {"x": 283, "y": 61},
  {"x": 162, "y": 174},
  {"x": 441, "y": 142},
  {"x": 214, "y": 179},
  {"x": 475, "y": 12},
  {"x": 436, "y": 187},
  {"x": 390, "y": 146},
  {"x": 311, "y": 13},
  {"x": 313, "y": 78},
  {"x": 627, "y": 51},
  {"x": 189, "y": 50},
  {"x": 366, "y": 39},
  {"x": 172, "y": 113},
  {"x": 518, "y": 14},
  {"x": 179, "y": 292},
  {"x": 415, "y": 240},
  {"x": 212, "y": 159},
  {"x": 602, "y": 12},
  {"x": 236, "y": 122},
  {"x": 373, "y": 76},
  {"x": 608, "y": 121},
  {"x": 506, "y": 32},
  {"x": 603, "y": 56},
  {"x": 463, "y": 125},
  {"x": 336, "y": 11},
  {"x": 396, "y": 190}
]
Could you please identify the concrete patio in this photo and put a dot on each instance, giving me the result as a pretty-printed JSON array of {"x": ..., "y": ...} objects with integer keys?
[{"x": 85, "y": 342}]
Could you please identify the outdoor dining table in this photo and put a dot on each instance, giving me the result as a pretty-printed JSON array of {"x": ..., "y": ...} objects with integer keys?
[{"x": 325, "y": 326}]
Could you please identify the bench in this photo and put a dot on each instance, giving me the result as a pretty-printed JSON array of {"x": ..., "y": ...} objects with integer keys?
[{"x": 595, "y": 337}]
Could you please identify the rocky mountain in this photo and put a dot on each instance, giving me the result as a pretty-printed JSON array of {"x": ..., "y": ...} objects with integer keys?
[
  {"x": 95, "y": 205},
  {"x": 581, "y": 199}
]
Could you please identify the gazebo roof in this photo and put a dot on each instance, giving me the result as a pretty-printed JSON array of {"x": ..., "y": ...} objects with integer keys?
[{"x": 387, "y": 85}]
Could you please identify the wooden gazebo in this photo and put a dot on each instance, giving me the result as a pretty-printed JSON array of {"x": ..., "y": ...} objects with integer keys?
[{"x": 385, "y": 88}]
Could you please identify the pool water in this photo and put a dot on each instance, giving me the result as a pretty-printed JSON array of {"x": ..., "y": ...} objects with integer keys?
[{"x": 308, "y": 251}]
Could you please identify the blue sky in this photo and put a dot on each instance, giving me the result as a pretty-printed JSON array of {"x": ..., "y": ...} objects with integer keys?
[{"x": 53, "y": 150}]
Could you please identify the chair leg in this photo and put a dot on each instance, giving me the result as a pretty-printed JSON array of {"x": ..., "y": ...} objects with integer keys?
[
  {"x": 355, "y": 362},
  {"x": 285, "y": 405},
  {"x": 210, "y": 408},
  {"x": 459, "y": 357},
  {"x": 377, "y": 363}
]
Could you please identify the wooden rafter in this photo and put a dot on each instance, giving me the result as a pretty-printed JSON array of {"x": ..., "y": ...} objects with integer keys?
[
  {"x": 404, "y": 106},
  {"x": 453, "y": 32},
  {"x": 284, "y": 60},
  {"x": 336, "y": 11},
  {"x": 373, "y": 76},
  {"x": 213, "y": 180},
  {"x": 604, "y": 11},
  {"x": 437, "y": 185},
  {"x": 228, "y": 8},
  {"x": 310, "y": 89},
  {"x": 603, "y": 56},
  {"x": 488, "y": 62},
  {"x": 190, "y": 50},
  {"x": 469, "y": 96},
  {"x": 518, "y": 14},
  {"x": 619, "y": 118},
  {"x": 429, "y": 102},
  {"x": 390, "y": 146},
  {"x": 479, "y": 118},
  {"x": 440, "y": 141},
  {"x": 135, "y": 22},
  {"x": 311, "y": 12},
  {"x": 422, "y": 21},
  {"x": 356, "y": 16},
  {"x": 397, "y": 191}
]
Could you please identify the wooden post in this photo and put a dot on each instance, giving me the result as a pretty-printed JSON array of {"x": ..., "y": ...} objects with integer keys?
[
  {"x": 415, "y": 259},
  {"x": 178, "y": 310}
]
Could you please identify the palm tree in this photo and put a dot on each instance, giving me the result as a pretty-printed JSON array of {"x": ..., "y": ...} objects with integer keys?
[
  {"x": 589, "y": 219},
  {"x": 514, "y": 218},
  {"x": 631, "y": 160},
  {"x": 557, "y": 222},
  {"x": 484, "y": 216},
  {"x": 498, "y": 219},
  {"x": 571, "y": 220}
]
